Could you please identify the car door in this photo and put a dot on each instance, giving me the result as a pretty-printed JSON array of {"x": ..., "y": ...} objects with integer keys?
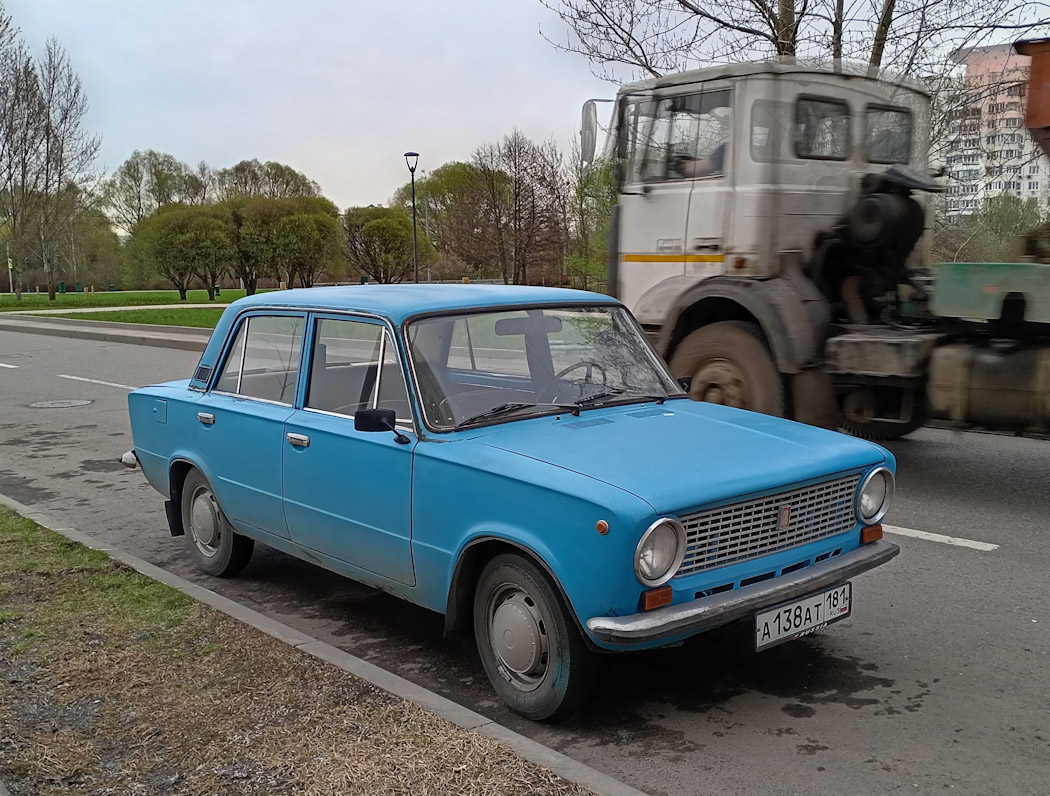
[
  {"x": 348, "y": 493},
  {"x": 240, "y": 419}
]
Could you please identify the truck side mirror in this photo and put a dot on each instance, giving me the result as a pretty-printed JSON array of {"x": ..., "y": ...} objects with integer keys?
[{"x": 588, "y": 132}]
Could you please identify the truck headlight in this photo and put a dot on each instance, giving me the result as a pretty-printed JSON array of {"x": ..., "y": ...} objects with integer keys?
[
  {"x": 875, "y": 495},
  {"x": 660, "y": 552}
]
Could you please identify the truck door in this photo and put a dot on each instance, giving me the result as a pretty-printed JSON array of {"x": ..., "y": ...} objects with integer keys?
[
  {"x": 654, "y": 199},
  {"x": 710, "y": 203}
]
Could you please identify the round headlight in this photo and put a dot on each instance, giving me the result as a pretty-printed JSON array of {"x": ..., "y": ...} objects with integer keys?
[
  {"x": 660, "y": 552},
  {"x": 874, "y": 495}
]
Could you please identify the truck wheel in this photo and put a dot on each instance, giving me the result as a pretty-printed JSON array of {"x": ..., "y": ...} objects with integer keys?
[
  {"x": 532, "y": 652},
  {"x": 216, "y": 548},
  {"x": 730, "y": 365}
]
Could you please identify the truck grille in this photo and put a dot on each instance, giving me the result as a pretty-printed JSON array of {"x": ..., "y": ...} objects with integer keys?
[{"x": 748, "y": 530}]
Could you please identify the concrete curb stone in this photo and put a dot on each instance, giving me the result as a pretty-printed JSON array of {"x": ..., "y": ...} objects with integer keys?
[
  {"x": 180, "y": 337},
  {"x": 562, "y": 765}
]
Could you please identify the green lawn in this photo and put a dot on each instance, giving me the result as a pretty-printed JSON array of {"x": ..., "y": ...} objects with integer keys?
[
  {"x": 204, "y": 318},
  {"x": 130, "y": 298}
]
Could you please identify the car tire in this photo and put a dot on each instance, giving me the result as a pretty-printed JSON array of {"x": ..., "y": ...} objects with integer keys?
[
  {"x": 216, "y": 548},
  {"x": 529, "y": 645},
  {"x": 730, "y": 365}
]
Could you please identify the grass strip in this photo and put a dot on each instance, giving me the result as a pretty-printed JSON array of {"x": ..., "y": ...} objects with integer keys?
[
  {"x": 205, "y": 318},
  {"x": 130, "y": 298},
  {"x": 115, "y": 683}
]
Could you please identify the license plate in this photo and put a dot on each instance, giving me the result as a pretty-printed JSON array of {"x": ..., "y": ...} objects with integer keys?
[{"x": 799, "y": 618}]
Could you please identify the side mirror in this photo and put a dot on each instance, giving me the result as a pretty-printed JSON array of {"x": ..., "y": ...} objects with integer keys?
[
  {"x": 588, "y": 132},
  {"x": 685, "y": 382},
  {"x": 379, "y": 420}
]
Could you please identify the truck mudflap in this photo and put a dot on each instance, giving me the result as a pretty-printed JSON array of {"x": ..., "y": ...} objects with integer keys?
[{"x": 716, "y": 610}]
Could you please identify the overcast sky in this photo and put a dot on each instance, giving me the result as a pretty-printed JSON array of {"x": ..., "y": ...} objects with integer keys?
[{"x": 338, "y": 90}]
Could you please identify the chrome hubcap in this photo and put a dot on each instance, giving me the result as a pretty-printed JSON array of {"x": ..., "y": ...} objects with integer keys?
[
  {"x": 519, "y": 636},
  {"x": 204, "y": 521}
]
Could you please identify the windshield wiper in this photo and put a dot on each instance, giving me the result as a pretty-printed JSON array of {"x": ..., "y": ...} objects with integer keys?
[
  {"x": 617, "y": 392},
  {"x": 514, "y": 406}
]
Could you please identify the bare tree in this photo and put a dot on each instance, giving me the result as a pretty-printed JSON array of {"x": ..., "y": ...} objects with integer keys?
[
  {"x": 524, "y": 207},
  {"x": 46, "y": 155},
  {"x": 149, "y": 179},
  {"x": 912, "y": 37},
  {"x": 270, "y": 179},
  {"x": 68, "y": 153}
]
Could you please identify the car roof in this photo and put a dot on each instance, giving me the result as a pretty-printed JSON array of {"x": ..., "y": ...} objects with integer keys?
[{"x": 398, "y": 302}]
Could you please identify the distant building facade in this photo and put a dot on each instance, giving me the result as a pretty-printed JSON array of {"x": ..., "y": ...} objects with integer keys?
[{"x": 989, "y": 152}]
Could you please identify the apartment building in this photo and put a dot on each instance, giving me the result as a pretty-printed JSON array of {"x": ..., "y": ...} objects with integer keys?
[{"x": 988, "y": 151}]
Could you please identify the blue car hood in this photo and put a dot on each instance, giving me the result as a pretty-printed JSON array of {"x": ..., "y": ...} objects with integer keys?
[{"x": 682, "y": 454}]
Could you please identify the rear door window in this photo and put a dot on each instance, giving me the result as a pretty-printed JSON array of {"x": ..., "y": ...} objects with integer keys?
[{"x": 263, "y": 362}]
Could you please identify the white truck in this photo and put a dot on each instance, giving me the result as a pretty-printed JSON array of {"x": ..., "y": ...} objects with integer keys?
[{"x": 769, "y": 237}]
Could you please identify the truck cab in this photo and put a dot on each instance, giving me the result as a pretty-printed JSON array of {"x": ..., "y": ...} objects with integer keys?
[{"x": 768, "y": 215}]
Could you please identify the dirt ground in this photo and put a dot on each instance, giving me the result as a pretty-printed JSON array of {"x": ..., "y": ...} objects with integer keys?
[{"x": 111, "y": 683}]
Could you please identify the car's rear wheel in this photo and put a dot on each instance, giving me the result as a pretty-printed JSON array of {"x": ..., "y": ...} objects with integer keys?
[
  {"x": 216, "y": 548},
  {"x": 532, "y": 652}
]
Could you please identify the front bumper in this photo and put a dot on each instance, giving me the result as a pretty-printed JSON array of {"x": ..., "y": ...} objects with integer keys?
[{"x": 707, "y": 613}]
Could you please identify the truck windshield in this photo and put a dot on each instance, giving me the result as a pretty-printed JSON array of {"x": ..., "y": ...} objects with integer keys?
[
  {"x": 508, "y": 364},
  {"x": 887, "y": 134}
]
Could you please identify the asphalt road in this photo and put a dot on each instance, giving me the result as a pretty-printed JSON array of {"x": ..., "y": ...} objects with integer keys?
[{"x": 938, "y": 683}]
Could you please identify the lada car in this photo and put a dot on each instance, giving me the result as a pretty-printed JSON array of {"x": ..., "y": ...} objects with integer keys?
[{"x": 517, "y": 459}]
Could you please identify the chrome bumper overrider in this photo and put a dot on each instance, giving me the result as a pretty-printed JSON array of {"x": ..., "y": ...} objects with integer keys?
[{"x": 720, "y": 609}]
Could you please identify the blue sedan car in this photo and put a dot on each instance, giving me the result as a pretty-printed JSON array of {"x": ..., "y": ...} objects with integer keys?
[{"x": 518, "y": 459}]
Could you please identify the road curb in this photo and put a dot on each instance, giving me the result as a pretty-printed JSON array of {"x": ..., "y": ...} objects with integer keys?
[
  {"x": 186, "y": 338},
  {"x": 533, "y": 751}
]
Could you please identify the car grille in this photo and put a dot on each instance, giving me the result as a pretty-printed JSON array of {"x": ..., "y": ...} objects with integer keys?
[{"x": 748, "y": 530}]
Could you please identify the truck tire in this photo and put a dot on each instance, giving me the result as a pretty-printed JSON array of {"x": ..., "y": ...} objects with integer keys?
[{"x": 730, "y": 365}]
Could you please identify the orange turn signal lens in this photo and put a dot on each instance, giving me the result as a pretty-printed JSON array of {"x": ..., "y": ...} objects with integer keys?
[
  {"x": 871, "y": 533},
  {"x": 655, "y": 598}
]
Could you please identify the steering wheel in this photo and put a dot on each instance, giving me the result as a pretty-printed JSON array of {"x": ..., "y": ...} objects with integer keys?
[{"x": 551, "y": 392}]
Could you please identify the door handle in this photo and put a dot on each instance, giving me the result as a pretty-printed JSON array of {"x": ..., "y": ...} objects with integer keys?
[
  {"x": 299, "y": 440},
  {"x": 207, "y": 418}
]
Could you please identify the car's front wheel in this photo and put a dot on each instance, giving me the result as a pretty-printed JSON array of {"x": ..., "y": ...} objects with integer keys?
[
  {"x": 216, "y": 548},
  {"x": 532, "y": 652}
]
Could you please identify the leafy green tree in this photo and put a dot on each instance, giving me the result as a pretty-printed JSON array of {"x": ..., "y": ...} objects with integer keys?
[
  {"x": 208, "y": 244},
  {"x": 162, "y": 244},
  {"x": 306, "y": 245},
  {"x": 379, "y": 243}
]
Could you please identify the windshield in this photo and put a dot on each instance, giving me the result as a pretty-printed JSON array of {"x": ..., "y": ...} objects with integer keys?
[{"x": 493, "y": 366}]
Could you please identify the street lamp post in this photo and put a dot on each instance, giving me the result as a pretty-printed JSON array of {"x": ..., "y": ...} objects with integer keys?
[{"x": 411, "y": 160}]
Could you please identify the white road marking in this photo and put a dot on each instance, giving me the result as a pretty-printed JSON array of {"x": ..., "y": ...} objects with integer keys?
[
  {"x": 5, "y": 365},
  {"x": 984, "y": 547},
  {"x": 97, "y": 381}
]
